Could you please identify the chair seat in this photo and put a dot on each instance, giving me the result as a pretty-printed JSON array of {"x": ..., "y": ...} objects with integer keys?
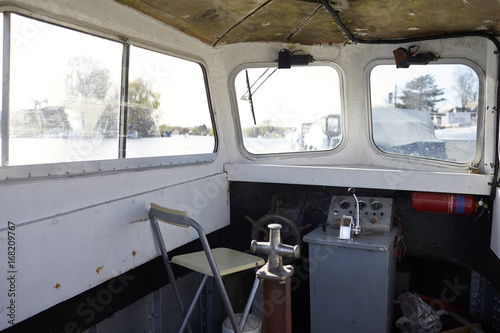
[{"x": 228, "y": 261}]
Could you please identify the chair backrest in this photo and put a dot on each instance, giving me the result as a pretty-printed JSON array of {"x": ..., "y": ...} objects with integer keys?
[
  {"x": 171, "y": 216},
  {"x": 180, "y": 218}
]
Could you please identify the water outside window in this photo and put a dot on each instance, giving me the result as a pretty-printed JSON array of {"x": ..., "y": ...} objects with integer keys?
[
  {"x": 168, "y": 111},
  {"x": 65, "y": 93}
]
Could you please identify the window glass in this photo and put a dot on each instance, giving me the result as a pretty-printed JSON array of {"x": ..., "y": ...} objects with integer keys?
[
  {"x": 66, "y": 90},
  {"x": 168, "y": 111},
  {"x": 64, "y": 94},
  {"x": 425, "y": 111},
  {"x": 289, "y": 110}
]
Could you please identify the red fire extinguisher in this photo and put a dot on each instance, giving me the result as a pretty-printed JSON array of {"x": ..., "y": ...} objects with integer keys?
[{"x": 462, "y": 204}]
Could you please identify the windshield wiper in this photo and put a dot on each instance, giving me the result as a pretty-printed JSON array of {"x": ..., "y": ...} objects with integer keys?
[
  {"x": 250, "y": 98},
  {"x": 245, "y": 95}
]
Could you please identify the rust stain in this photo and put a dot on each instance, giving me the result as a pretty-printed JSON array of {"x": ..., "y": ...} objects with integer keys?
[
  {"x": 134, "y": 253},
  {"x": 57, "y": 286},
  {"x": 99, "y": 269},
  {"x": 307, "y": 23}
]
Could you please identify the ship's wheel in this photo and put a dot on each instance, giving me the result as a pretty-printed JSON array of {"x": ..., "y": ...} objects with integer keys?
[{"x": 289, "y": 232}]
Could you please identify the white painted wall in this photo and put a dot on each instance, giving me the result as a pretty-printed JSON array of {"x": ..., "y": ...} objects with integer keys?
[{"x": 75, "y": 234}]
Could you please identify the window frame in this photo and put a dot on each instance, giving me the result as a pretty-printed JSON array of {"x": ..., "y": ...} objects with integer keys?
[
  {"x": 478, "y": 154},
  {"x": 289, "y": 154},
  {"x": 9, "y": 172}
]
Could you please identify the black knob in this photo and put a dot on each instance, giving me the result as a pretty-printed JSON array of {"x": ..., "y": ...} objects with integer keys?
[
  {"x": 344, "y": 204},
  {"x": 351, "y": 190}
]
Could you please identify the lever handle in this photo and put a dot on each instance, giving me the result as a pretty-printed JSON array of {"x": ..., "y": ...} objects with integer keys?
[{"x": 357, "y": 228}]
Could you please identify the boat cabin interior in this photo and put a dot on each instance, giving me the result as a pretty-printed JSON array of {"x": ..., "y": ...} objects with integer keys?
[{"x": 348, "y": 148}]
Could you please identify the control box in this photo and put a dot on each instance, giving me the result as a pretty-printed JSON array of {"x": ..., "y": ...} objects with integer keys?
[{"x": 374, "y": 213}]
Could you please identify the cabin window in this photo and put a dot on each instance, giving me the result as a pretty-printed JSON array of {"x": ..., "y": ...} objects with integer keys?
[
  {"x": 289, "y": 110},
  {"x": 168, "y": 113},
  {"x": 71, "y": 99},
  {"x": 64, "y": 94},
  {"x": 425, "y": 111}
]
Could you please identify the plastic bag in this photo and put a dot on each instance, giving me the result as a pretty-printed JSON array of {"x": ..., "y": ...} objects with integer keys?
[{"x": 422, "y": 318}]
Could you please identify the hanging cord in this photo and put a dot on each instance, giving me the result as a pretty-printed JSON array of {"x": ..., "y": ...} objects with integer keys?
[
  {"x": 444, "y": 35},
  {"x": 399, "y": 245}
]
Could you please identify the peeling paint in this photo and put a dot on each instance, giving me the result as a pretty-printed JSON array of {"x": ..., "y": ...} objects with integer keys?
[
  {"x": 98, "y": 270},
  {"x": 239, "y": 21},
  {"x": 468, "y": 3}
]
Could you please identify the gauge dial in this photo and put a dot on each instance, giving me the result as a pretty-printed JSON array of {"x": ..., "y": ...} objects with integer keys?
[
  {"x": 376, "y": 205},
  {"x": 362, "y": 204}
]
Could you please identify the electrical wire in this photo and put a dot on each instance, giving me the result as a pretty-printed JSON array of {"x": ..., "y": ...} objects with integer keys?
[
  {"x": 399, "y": 244},
  {"x": 446, "y": 306},
  {"x": 444, "y": 35},
  {"x": 399, "y": 250},
  {"x": 338, "y": 54},
  {"x": 413, "y": 53}
]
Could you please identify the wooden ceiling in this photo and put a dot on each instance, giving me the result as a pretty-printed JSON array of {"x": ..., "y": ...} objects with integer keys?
[{"x": 218, "y": 22}]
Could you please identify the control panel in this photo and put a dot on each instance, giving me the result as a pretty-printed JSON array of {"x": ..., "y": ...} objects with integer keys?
[{"x": 374, "y": 213}]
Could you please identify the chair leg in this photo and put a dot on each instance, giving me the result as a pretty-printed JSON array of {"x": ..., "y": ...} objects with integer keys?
[
  {"x": 193, "y": 304},
  {"x": 218, "y": 279},
  {"x": 249, "y": 303},
  {"x": 227, "y": 304},
  {"x": 170, "y": 273}
]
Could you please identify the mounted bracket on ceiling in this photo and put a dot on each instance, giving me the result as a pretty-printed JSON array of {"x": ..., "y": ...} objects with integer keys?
[
  {"x": 287, "y": 59},
  {"x": 404, "y": 58}
]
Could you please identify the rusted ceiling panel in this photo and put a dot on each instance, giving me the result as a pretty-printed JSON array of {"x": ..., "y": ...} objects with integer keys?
[
  {"x": 274, "y": 22},
  {"x": 206, "y": 20},
  {"x": 217, "y": 22},
  {"x": 373, "y": 19},
  {"x": 321, "y": 28}
]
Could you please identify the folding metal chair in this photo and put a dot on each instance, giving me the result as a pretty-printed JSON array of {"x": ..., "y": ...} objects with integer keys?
[{"x": 215, "y": 263}]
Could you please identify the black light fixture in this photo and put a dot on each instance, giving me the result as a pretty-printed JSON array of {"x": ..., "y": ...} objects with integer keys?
[
  {"x": 404, "y": 58},
  {"x": 287, "y": 58}
]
